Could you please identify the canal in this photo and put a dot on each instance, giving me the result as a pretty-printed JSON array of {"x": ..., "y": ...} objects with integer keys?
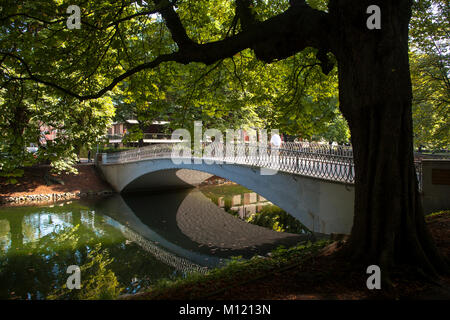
[{"x": 132, "y": 241}]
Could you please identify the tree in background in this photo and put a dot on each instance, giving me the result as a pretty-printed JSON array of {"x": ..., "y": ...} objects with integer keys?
[
  {"x": 26, "y": 110},
  {"x": 337, "y": 131},
  {"x": 16, "y": 129},
  {"x": 430, "y": 73},
  {"x": 26, "y": 107}
]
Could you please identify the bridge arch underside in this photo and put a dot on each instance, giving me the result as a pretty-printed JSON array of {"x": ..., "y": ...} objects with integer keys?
[{"x": 322, "y": 206}]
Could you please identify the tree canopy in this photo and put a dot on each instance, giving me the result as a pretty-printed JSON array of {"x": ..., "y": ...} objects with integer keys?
[{"x": 49, "y": 72}]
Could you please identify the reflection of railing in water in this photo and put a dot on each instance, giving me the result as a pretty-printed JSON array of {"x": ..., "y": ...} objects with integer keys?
[{"x": 162, "y": 255}]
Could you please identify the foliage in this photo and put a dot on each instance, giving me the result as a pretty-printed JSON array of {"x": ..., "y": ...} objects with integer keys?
[
  {"x": 430, "y": 73},
  {"x": 99, "y": 281},
  {"x": 23, "y": 118},
  {"x": 29, "y": 107},
  {"x": 292, "y": 95},
  {"x": 14, "y": 131},
  {"x": 239, "y": 92},
  {"x": 135, "y": 133},
  {"x": 431, "y": 98},
  {"x": 438, "y": 213},
  {"x": 336, "y": 131},
  {"x": 277, "y": 219}
]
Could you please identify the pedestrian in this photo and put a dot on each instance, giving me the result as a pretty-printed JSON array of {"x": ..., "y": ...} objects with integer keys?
[{"x": 275, "y": 143}]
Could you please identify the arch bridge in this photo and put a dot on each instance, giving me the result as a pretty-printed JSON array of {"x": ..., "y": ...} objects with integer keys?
[{"x": 312, "y": 183}]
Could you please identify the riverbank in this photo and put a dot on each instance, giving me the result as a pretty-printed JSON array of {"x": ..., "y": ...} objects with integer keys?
[
  {"x": 39, "y": 186},
  {"x": 312, "y": 272}
]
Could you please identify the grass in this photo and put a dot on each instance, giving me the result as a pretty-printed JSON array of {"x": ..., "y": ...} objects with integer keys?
[
  {"x": 237, "y": 272},
  {"x": 434, "y": 214}
]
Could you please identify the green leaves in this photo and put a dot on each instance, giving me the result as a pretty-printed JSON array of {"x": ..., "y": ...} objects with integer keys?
[
  {"x": 430, "y": 73},
  {"x": 292, "y": 95},
  {"x": 274, "y": 218}
]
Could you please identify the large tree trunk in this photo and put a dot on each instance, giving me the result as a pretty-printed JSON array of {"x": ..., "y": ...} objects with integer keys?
[{"x": 375, "y": 97}]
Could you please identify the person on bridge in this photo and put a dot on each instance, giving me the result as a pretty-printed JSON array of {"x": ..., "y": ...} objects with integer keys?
[{"x": 275, "y": 143}]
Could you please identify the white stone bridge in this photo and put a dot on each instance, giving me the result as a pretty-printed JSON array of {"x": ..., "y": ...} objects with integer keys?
[{"x": 314, "y": 184}]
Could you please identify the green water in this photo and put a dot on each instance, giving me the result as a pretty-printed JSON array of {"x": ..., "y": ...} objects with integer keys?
[
  {"x": 124, "y": 244},
  {"x": 37, "y": 244}
]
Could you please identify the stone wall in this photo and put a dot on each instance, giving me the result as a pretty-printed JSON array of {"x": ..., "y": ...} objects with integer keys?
[
  {"x": 436, "y": 185},
  {"x": 51, "y": 197}
]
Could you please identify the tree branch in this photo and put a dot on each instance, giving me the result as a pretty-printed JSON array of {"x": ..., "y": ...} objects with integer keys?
[
  {"x": 245, "y": 12},
  {"x": 275, "y": 38},
  {"x": 174, "y": 24},
  {"x": 157, "y": 9}
]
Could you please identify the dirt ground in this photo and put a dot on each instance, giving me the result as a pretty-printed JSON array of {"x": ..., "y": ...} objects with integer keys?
[{"x": 33, "y": 182}]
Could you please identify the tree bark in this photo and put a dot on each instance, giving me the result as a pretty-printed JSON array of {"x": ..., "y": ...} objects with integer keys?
[{"x": 376, "y": 98}]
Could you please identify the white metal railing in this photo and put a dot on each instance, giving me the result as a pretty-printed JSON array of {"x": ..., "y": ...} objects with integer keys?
[
  {"x": 331, "y": 163},
  {"x": 310, "y": 159}
]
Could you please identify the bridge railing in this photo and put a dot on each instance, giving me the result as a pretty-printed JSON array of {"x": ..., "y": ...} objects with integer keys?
[
  {"x": 335, "y": 163},
  {"x": 310, "y": 159},
  {"x": 149, "y": 152}
]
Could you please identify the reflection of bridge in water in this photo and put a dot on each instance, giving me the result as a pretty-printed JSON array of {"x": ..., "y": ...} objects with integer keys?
[
  {"x": 182, "y": 229},
  {"x": 168, "y": 258},
  {"x": 21, "y": 228},
  {"x": 192, "y": 227}
]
